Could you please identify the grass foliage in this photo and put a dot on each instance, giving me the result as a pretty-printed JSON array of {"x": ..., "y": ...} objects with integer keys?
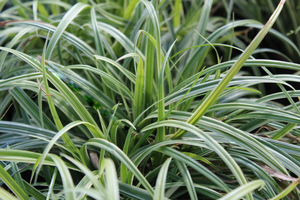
[{"x": 149, "y": 99}]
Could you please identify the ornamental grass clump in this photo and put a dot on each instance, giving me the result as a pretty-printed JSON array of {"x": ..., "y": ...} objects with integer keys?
[{"x": 149, "y": 100}]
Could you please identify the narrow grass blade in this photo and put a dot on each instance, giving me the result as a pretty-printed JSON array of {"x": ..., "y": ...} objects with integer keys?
[
  {"x": 286, "y": 191},
  {"x": 187, "y": 179},
  {"x": 35, "y": 193},
  {"x": 17, "y": 176},
  {"x": 159, "y": 192},
  {"x": 77, "y": 42},
  {"x": 65, "y": 21},
  {"x": 24, "y": 130},
  {"x": 111, "y": 180},
  {"x": 149, "y": 68},
  {"x": 107, "y": 146},
  {"x": 120, "y": 37},
  {"x": 130, "y": 9},
  {"x": 6, "y": 195},
  {"x": 13, "y": 42},
  {"x": 160, "y": 69},
  {"x": 161, "y": 91},
  {"x": 97, "y": 37},
  {"x": 54, "y": 140},
  {"x": 126, "y": 72},
  {"x": 14, "y": 155},
  {"x": 91, "y": 176},
  {"x": 52, "y": 183},
  {"x": 66, "y": 177},
  {"x": 31, "y": 108},
  {"x": 243, "y": 190},
  {"x": 286, "y": 130},
  {"x": 139, "y": 90},
  {"x": 134, "y": 192},
  {"x": 13, "y": 186},
  {"x": 203, "y": 21}
]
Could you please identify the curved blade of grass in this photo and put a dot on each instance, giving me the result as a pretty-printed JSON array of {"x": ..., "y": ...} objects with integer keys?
[
  {"x": 121, "y": 38},
  {"x": 62, "y": 4},
  {"x": 159, "y": 192},
  {"x": 243, "y": 190},
  {"x": 3, "y": 54},
  {"x": 139, "y": 90},
  {"x": 107, "y": 146},
  {"x": 126, "y": 72},
  {"x": 90, "y": 175},
  {"x": 64, "y": 22},
  {"x": 213, "y": 95},
  {"x": 160, "y": 136},
  {"x": 13, "y": 186},
  {"x": 35, "y": 193},
  {"x": 14, "y": 80},
  {"x": 111, "y": 180},
  {"x": 288, "y": 161},
  {"x": 278, "y": 95},
  {"x": 255, "y": 63},
  {"x": 25, "y": 130},
  {"x": 77, "y": 42},
  {"x": 52, "y": 183},
  {"x": 187, "y": 179},
  {"x": 53, "y": 141},
  {"x": 66, "y": 177},
  {"x": 274, "y": 116},
  {"x": 262, "y": 108},
  {"x": 202, "y": 23},
  {"x": 85, "y": 185},
  {"x": 285, "y": 147},
  {"x": 90, "y": 192},
  {"x": 286, "y": 191},
  {"x": 6, "y": 195},
  {"x": 31, "y": 108},
  {"x": 97, "y": 37},
  {"x": 130, "y": 8},
  {"x": 22, "y": 156},
  {"x": 134, "y": 192}
]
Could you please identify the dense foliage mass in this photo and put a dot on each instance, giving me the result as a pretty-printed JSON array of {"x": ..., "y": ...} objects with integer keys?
[{"x": 149, "y": 99}]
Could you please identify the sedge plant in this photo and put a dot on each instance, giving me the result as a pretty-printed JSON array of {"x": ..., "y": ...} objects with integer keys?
[{"x": 149, "y": 100}]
